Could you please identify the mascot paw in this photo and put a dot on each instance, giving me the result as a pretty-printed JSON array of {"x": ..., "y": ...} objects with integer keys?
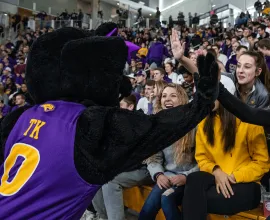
[{"x": 207, "y": 83}]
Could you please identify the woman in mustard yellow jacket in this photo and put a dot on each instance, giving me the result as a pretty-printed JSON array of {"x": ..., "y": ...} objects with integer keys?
[{"x": 232, "y": 158}]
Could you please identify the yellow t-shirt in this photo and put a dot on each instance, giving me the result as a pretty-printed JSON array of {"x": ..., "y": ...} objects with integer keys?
[{"x": 248, "y": 160}]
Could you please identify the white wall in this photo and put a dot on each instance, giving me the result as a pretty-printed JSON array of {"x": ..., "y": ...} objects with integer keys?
[
  {"x": 57, "y": 6},
  {"x": 8, "y": 8},
  {"x": 108, "y": 10},
  {"x": 199, "y": 6},
  {"x": 242, "y": 4},
  {"x": 153, "y": 3},
  {"x": 85, "y": 6},
  {"x": 165, "y": 3}
]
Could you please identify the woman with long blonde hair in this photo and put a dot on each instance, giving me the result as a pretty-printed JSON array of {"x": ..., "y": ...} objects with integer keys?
[{"x": 178, "y": 163}]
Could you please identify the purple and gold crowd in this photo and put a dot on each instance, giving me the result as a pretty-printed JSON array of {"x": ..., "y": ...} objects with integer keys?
[{"x": 220, "y": 167}]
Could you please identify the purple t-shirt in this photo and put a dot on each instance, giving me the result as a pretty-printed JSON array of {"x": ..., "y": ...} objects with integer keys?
[{"x": 39, "y": 179}]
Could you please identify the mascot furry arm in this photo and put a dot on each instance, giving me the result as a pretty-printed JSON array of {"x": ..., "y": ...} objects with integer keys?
[{"x": 109, "y": 140}]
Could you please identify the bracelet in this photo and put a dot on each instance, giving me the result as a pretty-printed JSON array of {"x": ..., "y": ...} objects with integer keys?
[{"x": 157, "y": 175}]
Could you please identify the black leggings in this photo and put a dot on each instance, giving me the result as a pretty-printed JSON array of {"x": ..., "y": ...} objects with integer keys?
[{"x": 201, "y": 197}]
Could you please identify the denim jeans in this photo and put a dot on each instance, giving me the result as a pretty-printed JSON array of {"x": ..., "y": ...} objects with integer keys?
[{"x": 160, "y": 199}]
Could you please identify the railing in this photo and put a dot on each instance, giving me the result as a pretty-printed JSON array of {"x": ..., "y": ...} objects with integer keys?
[
  {"x": 197, "y": 46},
  {"x": 217, "y": 10},
  {"x": 17, "y": 27},
  {"x": 56, "y": 24},
  {"x": 211, "y": 40}
]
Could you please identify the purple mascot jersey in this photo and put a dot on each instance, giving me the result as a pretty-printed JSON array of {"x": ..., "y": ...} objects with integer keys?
[{"x": 38, "y": 178}]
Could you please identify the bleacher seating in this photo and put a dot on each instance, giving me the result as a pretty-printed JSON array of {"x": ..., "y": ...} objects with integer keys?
[{"x": 135, "y": 197}]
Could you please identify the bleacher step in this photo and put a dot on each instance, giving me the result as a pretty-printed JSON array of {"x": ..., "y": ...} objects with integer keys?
[{"x": 135, "y": 197}]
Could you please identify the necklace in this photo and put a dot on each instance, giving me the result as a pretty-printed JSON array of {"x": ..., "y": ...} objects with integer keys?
[{"x": 246, "y": 92}]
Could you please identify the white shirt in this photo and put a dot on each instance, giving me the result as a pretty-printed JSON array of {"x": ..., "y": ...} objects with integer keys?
[
  {"x": 180, "y": 79},
  {"x": 222, "y": 58},
  {"x": 173, "y": 76},
  {"x": 244, "y": 42},
  {"x": 143, "y": 105},
  {"x": 228, "y": 84}
]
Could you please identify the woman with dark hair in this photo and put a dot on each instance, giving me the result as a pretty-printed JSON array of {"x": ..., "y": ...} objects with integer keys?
[
  {"x": 252, "y": 74},
  {"x": 169, "y": 68},
  {"x": 10, "y": 86},
  {"x": 132, "y": 69},
  {"x": 232, "y": 157}
]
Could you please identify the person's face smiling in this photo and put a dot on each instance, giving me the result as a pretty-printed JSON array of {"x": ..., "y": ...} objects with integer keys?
[{"x": 169, "y": 98}]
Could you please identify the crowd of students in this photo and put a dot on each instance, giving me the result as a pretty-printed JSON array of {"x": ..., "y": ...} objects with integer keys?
[
  {"x": 222, "y": 166},
  {"x": 13, "y": 90},
  {"x": 217, "y": 167}
]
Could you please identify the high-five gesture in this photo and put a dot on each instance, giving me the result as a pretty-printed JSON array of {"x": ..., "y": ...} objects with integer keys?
[
  {"x": 207, "y": 82},
  {"x": 178, "y": 49}
]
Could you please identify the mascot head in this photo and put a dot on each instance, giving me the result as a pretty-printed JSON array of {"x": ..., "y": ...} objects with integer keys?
[{"x": 76, "y": 65}]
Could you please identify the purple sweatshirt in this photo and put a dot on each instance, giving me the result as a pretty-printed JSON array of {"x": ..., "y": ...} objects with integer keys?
[
  {"x": 156, "y": 52},
  {"x": 5, "y": 110},
  {"x": 19, "y": 80}
]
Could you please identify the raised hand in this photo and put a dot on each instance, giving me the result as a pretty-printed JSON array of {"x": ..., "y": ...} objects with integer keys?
[
  {"x": 178, "y": 49},
  {"x": 206, "y": 82}
]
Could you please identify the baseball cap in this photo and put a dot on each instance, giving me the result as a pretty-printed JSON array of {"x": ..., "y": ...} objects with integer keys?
[
  {"x": 131, "y": 76},
  {"x": 141, "y": 73},
  {"x": 153, "y": 66},
  {"x": 169, "y": 60},
  {"x": 8, "y": 69}
]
